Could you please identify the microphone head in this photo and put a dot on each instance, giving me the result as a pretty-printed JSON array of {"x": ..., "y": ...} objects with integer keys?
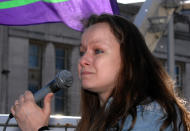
[{"x": 64, "y": 79}]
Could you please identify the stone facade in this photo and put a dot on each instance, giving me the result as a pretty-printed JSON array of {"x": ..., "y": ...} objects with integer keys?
[
  {"x": 182, "y": 54},
  {"x": 14, "y": 50}
]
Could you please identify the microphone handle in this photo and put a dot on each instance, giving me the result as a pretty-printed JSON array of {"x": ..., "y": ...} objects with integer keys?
[
  {"x": 51, "y": 87},
  {"x": 39, "y": 95}
]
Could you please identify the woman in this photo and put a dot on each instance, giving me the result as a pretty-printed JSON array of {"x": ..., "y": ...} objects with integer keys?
[{"x": 123, "y": 86}]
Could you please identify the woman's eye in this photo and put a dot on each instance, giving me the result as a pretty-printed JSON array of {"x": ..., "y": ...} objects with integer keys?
[
  {"x": 97, "y": 51},
  {"x": 82, "y": 53}
]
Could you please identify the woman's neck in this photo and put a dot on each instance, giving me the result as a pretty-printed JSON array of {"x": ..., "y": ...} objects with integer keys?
[{"x": 103, "y": 98}]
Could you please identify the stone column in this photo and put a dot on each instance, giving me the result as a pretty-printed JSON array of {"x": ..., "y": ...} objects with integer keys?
[
  {"x": 18, "y": 65},
  {"x": 186, "y": 89},
  {"x": 4, "y": 70},
  {"x": 171, "y": 49},
  {"x": 74, "y": 91},
  {"x": 48, "y": 66}
]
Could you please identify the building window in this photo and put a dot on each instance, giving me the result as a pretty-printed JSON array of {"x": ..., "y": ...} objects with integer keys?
[
  {"x": 34, "y": 73},
  {"x": 61, "y": 97},
  {"x": 60, "y": 58},
  {"x": 34, "y": 55},
  {"x": 179, "y": 72},
  {"x": 178, "y": 75}
]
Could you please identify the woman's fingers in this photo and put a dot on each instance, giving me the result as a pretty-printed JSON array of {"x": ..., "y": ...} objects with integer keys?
[
  {"x": 21, "y": 99},
  {"x": 15, "y": 107},
  {"x": 16, "y": 103},
  {"x": 13, "y": 110},
  {"x": 28, "y": 96},
  {"x": 28, "y": 114},
  {"x": 47, "y": 104}
]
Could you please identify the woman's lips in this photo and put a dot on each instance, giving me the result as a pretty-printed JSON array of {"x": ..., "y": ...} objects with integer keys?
[{"x": 86, "y": 73}]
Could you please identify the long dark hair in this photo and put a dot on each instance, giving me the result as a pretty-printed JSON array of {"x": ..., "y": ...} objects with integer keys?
[{"x": 141, "y": 77}]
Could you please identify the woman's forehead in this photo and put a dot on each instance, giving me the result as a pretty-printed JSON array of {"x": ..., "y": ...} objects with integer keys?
[
  {"x": 99, "y": 27},
  {"x": 97, "y": 33}
]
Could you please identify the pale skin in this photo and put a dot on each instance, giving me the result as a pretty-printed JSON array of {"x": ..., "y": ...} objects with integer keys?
[
  {"x": 98, "y": 68},
  {"x": 29, "y": 116},
  {"x": 100, "y": 62}
]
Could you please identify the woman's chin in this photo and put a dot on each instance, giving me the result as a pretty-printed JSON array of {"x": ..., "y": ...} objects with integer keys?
[{"x": 89, "y": 88}]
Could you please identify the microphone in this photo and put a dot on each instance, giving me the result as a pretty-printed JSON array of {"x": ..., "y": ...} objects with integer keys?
[{"x": 62, "y": 80}]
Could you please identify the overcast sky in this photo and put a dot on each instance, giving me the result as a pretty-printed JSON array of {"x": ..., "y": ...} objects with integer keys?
[
  {"x": 129, "y": 1},
  {"x": 136, "y": 1}
]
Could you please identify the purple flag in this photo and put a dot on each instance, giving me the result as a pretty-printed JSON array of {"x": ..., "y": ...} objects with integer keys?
[{"x": 71, "y": 12}]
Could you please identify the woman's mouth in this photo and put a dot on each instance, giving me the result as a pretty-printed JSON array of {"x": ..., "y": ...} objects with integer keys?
[{"x": 86, "y": 73}]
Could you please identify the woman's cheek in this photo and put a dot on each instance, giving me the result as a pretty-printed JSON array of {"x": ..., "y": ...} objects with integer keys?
[{"x": 79, "y": 70}]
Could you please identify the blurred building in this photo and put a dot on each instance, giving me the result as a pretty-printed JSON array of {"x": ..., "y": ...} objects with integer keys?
[
  {"x": 30, "y": 57},
  {"x": 181, "y": 32}
]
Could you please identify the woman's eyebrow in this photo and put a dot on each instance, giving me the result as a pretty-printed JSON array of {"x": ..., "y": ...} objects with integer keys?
[
  {"x": 95, "y": 43},
  {"x": 101, "y": 43}
]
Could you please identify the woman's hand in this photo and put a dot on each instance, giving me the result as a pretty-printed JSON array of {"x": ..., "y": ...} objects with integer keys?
[{"x": 29, "y": 116}]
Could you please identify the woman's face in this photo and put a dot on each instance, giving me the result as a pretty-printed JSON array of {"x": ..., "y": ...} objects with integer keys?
[{"x": 100, "y": 59}]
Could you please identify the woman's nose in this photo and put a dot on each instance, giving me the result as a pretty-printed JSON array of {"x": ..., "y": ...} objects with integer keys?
[{"x": 85, "y": 60}]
